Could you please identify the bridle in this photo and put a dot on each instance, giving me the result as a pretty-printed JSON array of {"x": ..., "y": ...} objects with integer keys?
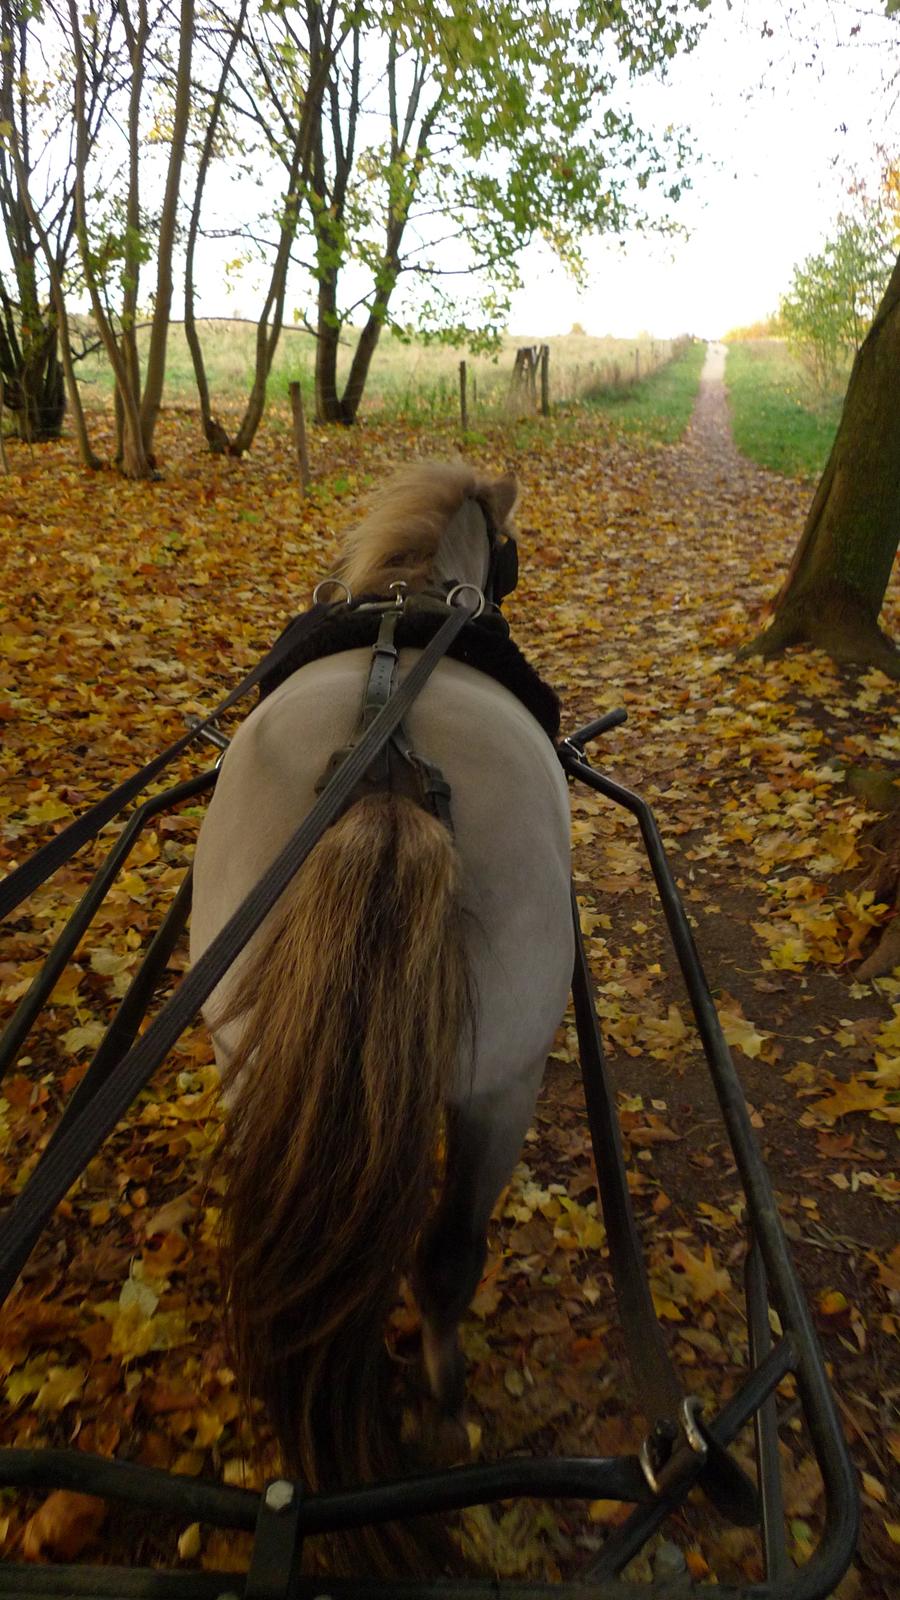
[{"x": 503, "y": 564}]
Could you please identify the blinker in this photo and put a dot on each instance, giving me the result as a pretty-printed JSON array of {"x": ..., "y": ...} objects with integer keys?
[{"x": 504, "y": 569}]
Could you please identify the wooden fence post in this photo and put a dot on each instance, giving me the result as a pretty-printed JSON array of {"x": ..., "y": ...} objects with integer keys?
[
  {"x": 463, "y": 406},
  {"x": 300, "y": 435},
  {"x": 545, "y": 380}
]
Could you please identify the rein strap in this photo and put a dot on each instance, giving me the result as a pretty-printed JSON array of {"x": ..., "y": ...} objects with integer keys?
[
  {"x": 62, "y": 1164},
  {"x": 23, "y": 880}
]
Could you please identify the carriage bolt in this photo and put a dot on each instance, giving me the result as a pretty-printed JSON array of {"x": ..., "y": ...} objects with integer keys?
[{"x": 279, "y": 1495}]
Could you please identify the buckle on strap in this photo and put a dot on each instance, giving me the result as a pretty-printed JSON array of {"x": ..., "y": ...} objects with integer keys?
[
  {"x": 661, "y": 1457},
  {"x": 671, "y": 1454}
]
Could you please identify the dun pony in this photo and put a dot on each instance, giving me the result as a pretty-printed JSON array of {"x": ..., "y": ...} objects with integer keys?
[{"x": 383, "y": 1035}]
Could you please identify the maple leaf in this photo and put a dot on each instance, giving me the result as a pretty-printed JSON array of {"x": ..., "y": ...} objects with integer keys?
[
  {"x": 855, "y": 1095},
  {"x": 740, "y": 1032},
  {"x": 705, "y": 1279}
]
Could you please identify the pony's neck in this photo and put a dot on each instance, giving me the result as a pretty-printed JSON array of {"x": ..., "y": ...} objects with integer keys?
[{"x": 463, "y": 554}]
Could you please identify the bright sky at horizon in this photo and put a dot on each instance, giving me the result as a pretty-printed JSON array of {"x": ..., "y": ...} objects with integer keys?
[{"x": 776, "y": 143}]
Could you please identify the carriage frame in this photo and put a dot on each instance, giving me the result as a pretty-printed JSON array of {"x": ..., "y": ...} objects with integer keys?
[{"x": 282, "y": 1516}]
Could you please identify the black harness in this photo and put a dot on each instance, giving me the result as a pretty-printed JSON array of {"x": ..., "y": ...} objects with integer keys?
[
  {"x": 397, "y": 769},
  {"x": 411, "y": 620}
]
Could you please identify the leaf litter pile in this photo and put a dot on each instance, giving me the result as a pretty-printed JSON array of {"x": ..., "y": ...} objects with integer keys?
[{"x": 643, "y": 569}]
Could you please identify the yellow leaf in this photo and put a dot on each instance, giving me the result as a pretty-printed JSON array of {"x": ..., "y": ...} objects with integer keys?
[
  {"x": 48, "y": 810},
  {"x": 874, "y": 1488},
  {"x": 85, "y": 1036},
  {"x": 61, "y": 1386},
  {"x": 831, "y": 1302},
  {"x": 189, "y": 1542},
  {"x": 791, "y": 955},
  {"x": 704, "y": 1277},
  {"x": 741, "y": 1032}
]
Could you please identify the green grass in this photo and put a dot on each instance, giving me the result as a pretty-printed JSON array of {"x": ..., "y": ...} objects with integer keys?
[
  {"x": 659, "y": 406},
  {"x": 777, "y": 417}
]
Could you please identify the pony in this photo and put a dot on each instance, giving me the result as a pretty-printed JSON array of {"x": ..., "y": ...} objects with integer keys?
[{"x": 383, "y": 1035}]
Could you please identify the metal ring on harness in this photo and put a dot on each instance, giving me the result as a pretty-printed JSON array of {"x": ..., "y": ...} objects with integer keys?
[
  {"x": 460, "y": 588},
  {"x": 324, "y": 584},
  {"x": 690, "y": 1409},
  {"x": 401, "y": 587}
]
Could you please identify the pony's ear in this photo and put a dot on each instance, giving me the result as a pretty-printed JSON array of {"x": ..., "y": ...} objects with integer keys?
[{"x": 500, "y": 495}]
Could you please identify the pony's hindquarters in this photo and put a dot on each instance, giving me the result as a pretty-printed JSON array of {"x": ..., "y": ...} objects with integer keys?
[
  {"x": 493, "y": 905},
  {"x": 352, "y": 1012}
]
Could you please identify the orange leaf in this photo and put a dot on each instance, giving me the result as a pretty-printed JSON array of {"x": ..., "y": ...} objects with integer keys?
[{"x": 62, "y": 1526}]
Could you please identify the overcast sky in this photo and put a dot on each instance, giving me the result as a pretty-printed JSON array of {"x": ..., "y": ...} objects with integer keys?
[
  {"x": 781, "y": 109},
  {"x": 776, "y": 141}
]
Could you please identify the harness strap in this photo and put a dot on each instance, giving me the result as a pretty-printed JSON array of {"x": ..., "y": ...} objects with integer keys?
[
  {"x": 23, "y": 880},
  {"x": 60, "y": 1166},
  {"x": 660, "y": 1394},
  {"x": 431, "y": 789},
  {"x": 380, "y": 687}
]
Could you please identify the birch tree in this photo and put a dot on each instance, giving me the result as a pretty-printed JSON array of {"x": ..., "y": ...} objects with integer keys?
[
  {"x": 37, "y": 210},
  {"x": 117, "y": 239},
  {"x": 262, "y": 104},
  {"x": 450, "y": 137}
]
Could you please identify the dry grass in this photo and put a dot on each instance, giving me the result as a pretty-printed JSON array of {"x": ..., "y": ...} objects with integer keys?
[{"x": 407, "y": 379}]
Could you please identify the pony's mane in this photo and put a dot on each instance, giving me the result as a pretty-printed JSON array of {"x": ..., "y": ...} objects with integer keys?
[{"x": 398, "y": 538}]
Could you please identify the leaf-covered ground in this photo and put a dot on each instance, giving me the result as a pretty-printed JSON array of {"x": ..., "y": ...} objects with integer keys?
[{"x": 643, "y": 568}]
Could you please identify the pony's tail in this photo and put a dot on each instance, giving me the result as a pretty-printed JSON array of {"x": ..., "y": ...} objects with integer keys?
[{"x": 354, "y": 1010}]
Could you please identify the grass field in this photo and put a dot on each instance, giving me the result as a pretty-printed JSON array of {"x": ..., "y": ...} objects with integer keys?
[
  {"x": 416, "y": 381},
  {"x": 660, "y": 406},
  {"x": 777, "y": 416}
]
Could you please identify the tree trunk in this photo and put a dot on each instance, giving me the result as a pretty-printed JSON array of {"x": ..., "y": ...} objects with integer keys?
[
  {"x": 33, "y": 385},
  {"x": 836, "y": 584},
  {"x": 135, "y": 463},
  {"x": 162, "y": 306},
  {"x": 215, "y": 434},
  {"x": 362, "y": 361},
  {"x": 328, "y": 338}
]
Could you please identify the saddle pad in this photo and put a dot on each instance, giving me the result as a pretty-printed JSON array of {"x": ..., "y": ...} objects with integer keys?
[{"x": 483, "y": 644}]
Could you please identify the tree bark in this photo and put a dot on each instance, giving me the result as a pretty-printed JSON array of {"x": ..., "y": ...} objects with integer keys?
[
  {"x": 215, "y": 434},
  {"x": 328, "y": 338},
  {"x": 136, "y": 35},
  {"x": 344, "y": 408},
  {"x": 134, "y": 459},
  {"x": 162, "y": 307},
  {"x": 86, "y": 452},
  {"x": 840, "y": 570}
]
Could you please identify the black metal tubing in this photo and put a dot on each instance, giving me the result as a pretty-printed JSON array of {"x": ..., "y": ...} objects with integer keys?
[
  {"x": 427, "y": 1493},
  {"x": 608, "y": 1478},
  {"x": 61, "y": 953},
  {"x": 144, "y": 1583},
  {"x": 624, "y": 1544},
  {"x": 765, "y": 1422},
  {"x": 123, "y": 1029},
  {"x": 832, "y": 1557}
]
